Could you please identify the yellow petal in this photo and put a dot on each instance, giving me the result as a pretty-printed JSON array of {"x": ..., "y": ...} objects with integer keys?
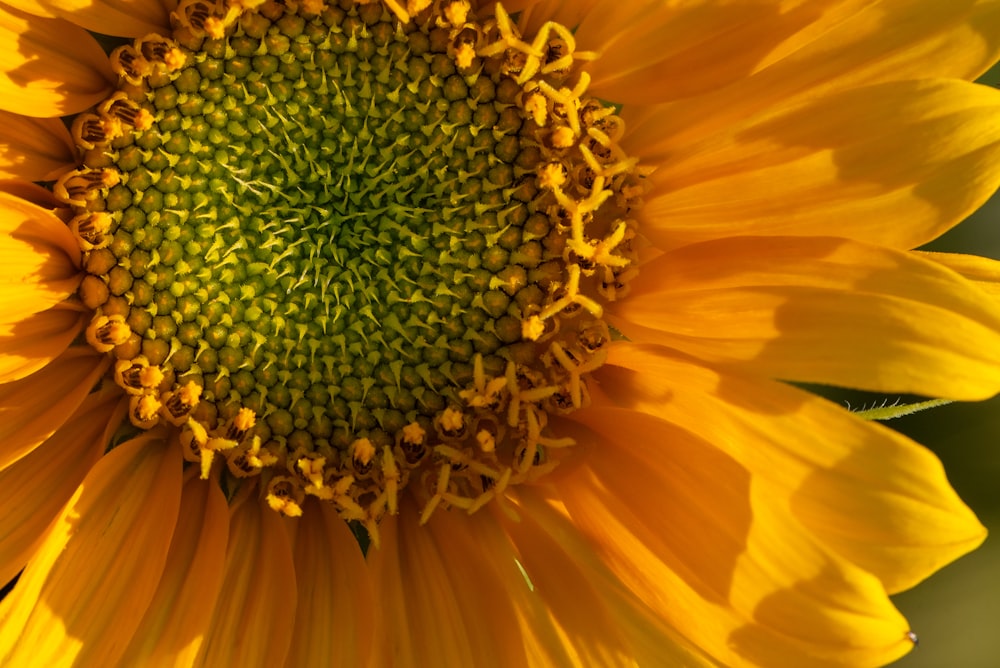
[
  {"x": 717, "y": 553},
  {"x": 173, "y": 629},
  {"x": 28, "y": 345},
  {"x": 334, "y": 592},
  {"x": 476, "y": 603},
  {"x": 897, "y": 164},
  {"x": 49, "y": 67},
  {"x": 253, "y": 619},
  {"x": 38, "y": 486},
  {"x": 123, "y": 18},
  {"x": 601, "y": 622},
  {"x": 653, "y": 51},
  {"x": 38, "y": 255},
  {"x": 33, "y": 408},
  {"x": 866, "y": 492},
  {"x": 39, "y": 149},
  {"x": 821, "y": 310},
  {"x": 83, "y": 594},
  {"x": 982, "y": 271},
  {"x": 751, "y": 55}
]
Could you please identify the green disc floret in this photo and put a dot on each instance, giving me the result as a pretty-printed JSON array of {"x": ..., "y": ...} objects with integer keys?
[{"x": 338, "y": 183}]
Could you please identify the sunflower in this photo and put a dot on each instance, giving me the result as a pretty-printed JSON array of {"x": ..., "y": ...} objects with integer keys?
[{"x": 454, "y": 333}]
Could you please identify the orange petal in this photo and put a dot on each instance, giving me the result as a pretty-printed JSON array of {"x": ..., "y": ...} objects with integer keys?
[
  {"x": 123, "y": 18},
  {"x": 174, "y": 627},
  {"x": 30, "y": 192},
  {"x": 33, "y": 408},
  {"x": 465, "y": 609},
  {"x": 716, "y": 552},
  {"x": 83, "y": 594},
  {"x": 38, "y": 486},
  {"x": 419, "y": 610},
  {"x": 39, "y": 256},
  {"x": 49, "y": 67},
  {"x": 570, "y": 14},
  {"x": 896, "y": 164},
  {"x": 334, "y": 592},
  {"x": 39, "y": 149},
  {"x": 28, "y": 345},
  {"x": 866, "y": 492},
  {"x": 821, "y": 310},
  {"x": 253, "y": 620}
]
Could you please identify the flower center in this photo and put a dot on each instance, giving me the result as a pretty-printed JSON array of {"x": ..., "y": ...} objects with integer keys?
[{"x": 350, "y": 253}]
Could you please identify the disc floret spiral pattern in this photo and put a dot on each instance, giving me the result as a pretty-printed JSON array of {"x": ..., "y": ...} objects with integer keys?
[{"x": 351, "y": 249}]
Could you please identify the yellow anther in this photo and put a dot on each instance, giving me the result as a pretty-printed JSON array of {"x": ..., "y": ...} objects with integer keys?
[
  {"x": 391, "y": 474},
  {"x": 91, "y": 130},
  {"x": 532, "y": 328},
  {"x": 610, "y": 169},
  {"x": 462, "y": 502},
  {"x": 245, "y": 419},
  {"x": 452, "y": 420},
  {"x": 216, "y": 444},
  {"x": 343, "y": 486},
  {"x": 562, "y": 137},
  {"x": 92, "y": 230},
  {"x": 457, "y": 12},
  {"x": 572, "y": 296},
  {"x": 465, "y": 55},
  {"x": 429, "y": 508},
  {"x": 600, "y": 252},
  {"x": 175, "y": 59},
  {"x": 143, "y": 411},
  {"x": 461, "y": 459},
  {"x": 178, "y": 403},
  {"x": 249, "y": 461},
  {"x": 552, "y": 176},
  {"x": 536, "y": 106},
  {"x": 129, "y": 64},
  {"x": 495, "y": 492},
  {"x": 363, "y": 451},
  {"x": 371, "y": 525},
  {"x": 194, "y": 434},
  {"x": 106, "y": 332},
  {"x": 150, "y": 376},
  {"x": 284, "y": 495},
  {"x": 417, "y": 6},
  {"x": 444, "y": 475},
  {"x": 83, "y": 185},
  {"x": 207, "y": 458},
  {"x": 395, "y": 8},
  {"x": 414, "y": 434},
  {"x": 486, "y": 441},
  {"x": 136, "y": 376},
  {"x": 509, "y": 38},
  {"x": 484, "y": 391},
  {"x": 312, "y": 469},
  {"x": 214, "y": 27},
  {"x": 190, "y": 392}
]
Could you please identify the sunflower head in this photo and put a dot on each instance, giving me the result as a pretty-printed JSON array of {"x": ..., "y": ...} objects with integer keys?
[{"x": 352, "y": 255}]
